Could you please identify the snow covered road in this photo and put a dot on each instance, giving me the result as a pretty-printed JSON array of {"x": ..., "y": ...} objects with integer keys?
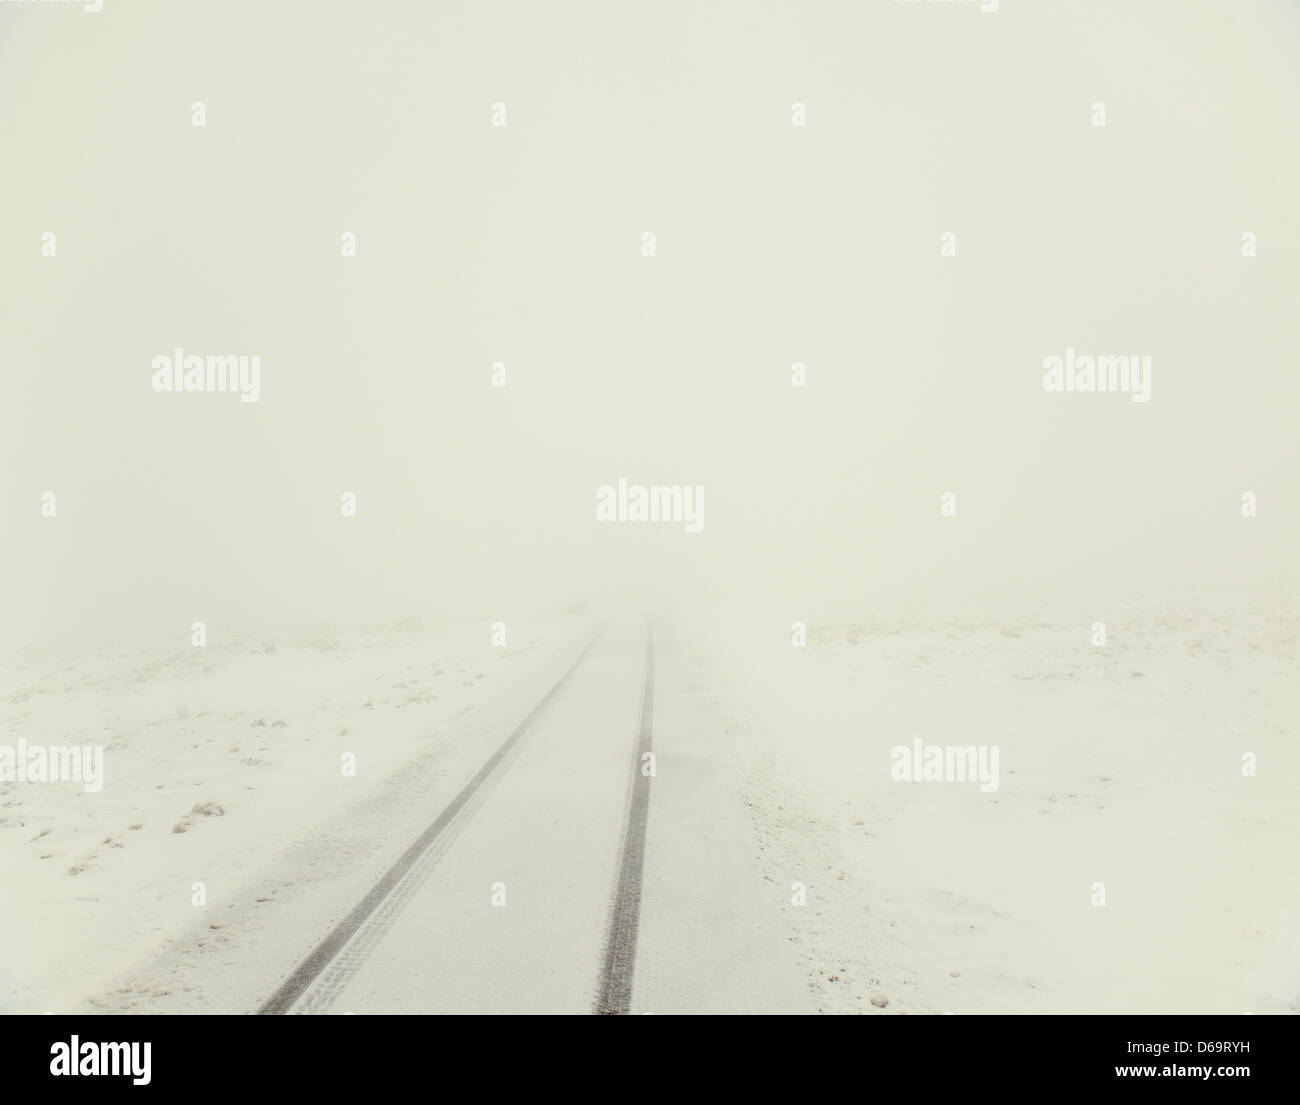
[{"x": 548, "y": 862}]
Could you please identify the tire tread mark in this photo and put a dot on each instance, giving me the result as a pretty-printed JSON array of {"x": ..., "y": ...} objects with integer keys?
[
  {"x": 293, "y": 987},
  {"x": 615, "y": 990}
]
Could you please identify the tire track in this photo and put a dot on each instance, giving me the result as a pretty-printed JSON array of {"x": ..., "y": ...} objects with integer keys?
[
  {"x": 372, "y": 915},
  {"x": 615, "y": 991}
]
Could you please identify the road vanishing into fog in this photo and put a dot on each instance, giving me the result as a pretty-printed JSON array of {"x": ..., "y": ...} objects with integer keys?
[{"x": 597, "y": 861}]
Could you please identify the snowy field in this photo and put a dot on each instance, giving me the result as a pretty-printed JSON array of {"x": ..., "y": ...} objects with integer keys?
[
  {"x": 1119, "y": 765},
  {"x": 216, "y": 760},
  {"x": 777, "y": 811}
]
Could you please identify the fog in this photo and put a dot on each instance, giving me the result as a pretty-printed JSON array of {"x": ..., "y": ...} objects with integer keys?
[{"x": 522, "y": 245}]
